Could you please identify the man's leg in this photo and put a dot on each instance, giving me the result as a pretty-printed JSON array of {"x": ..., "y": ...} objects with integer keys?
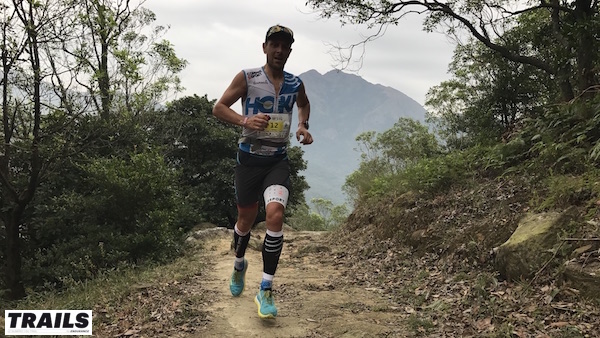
[
  {"x": 273, "y": 242},
  {"x": 241, "y": 237},
  {"x": 247, "y": 184},
  {"x": 276, "y": 197}
]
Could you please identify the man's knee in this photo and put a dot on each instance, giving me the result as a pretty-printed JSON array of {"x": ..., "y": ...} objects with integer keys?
[
  {"x": 246, "y": 216},
  {"x": 275, "y": 213}
]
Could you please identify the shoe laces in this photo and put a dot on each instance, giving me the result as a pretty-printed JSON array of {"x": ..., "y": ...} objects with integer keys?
[
  {"x": 268, "y": 297},
  {"x": 237, "y": 276}
]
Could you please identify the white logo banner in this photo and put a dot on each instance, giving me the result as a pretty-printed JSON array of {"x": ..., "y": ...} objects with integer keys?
[{"x": 48, "y": 322}]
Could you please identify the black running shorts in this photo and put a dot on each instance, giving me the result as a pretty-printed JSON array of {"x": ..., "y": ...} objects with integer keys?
[{"x": 254, "y": 173}]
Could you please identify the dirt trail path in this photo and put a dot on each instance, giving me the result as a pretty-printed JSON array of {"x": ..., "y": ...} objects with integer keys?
[{"x": 309, "y": 303}]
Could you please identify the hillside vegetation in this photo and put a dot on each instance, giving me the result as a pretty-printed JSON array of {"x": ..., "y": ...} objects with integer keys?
[
  {"x": 100, "y": 184},
  {"x": 425, "y": 232}
]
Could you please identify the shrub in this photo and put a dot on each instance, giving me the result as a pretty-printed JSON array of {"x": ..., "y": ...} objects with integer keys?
[{"x": 123, "y": 212}]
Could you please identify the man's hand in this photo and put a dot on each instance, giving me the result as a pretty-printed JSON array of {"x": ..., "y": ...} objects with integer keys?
[
  {"x": 259, "y": 121},
  {"x": 305, "y": 134}
]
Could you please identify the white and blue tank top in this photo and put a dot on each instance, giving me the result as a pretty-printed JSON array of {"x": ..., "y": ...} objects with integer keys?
[{"x": 262, "y": 98}]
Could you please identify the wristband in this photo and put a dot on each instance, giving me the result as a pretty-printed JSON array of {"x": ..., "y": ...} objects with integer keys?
[
  {"x": 245, "y": 120},
  {"x": 305, "y": 124}
]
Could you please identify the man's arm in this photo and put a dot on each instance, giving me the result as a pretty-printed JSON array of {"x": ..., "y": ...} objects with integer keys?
[
  {"x": 222, "y": 109},
  {"x": 303, "y": 106},
  {"x": 303, "y": 116}
]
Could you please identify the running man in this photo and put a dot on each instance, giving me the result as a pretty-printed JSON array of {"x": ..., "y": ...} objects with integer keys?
[{"x": 268, "y": 95}]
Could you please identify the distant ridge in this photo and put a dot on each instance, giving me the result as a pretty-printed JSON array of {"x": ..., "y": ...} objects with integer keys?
[{"x": 342, "y": 107}]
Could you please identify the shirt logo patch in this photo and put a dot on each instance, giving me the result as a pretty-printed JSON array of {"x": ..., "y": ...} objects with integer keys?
[{"x": 254, "y": 74}]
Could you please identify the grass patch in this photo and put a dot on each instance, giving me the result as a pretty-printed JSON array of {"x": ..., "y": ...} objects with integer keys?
[
  {"x": 419, "y": 325},
  {"x": 570, "y": 332},
  {"x": 568, "y": 190},
  {"x": 135, "y": 295}
]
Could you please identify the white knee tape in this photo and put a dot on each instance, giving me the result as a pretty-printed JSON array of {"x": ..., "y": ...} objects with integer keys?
[{"x": 276, "y": 193}]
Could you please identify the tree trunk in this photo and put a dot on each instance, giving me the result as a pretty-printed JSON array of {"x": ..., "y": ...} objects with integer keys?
[
  {"x": 564, "y": 83},
  {"x": 14, "y": 202},
  {"x": 103, "y": 76},
  {"x": 104, "y": 84},
  {"x": 13, "y": 277},
  {"x": 587, "y": 50},
  {"x": 562, "y": 67}
]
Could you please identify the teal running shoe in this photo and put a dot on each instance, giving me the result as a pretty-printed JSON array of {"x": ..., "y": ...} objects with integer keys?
[
  {"x": 265, "y": 303},
  {"x": 237, "y": 281}
]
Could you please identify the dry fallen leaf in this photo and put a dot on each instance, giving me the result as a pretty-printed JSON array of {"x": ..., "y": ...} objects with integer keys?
[
  {"x": 520, "y": 333},
  {"x": 582, "y": 249},
  {"x": 130, "y": 332},
  {"x": 483, "y": 324}
]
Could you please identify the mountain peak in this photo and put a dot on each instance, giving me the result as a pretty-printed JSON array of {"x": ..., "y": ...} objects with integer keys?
[
  {"x": 312, "y": 72},
  {"x": 342, "y": 107},
  {"x": 337, "y": 75}
]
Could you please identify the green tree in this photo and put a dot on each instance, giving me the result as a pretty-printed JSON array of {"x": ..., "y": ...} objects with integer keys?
[
  {"x": 44, "y": 68},
  {"x": 302, "y": 218},
  {"x": 569, "y": 53},
  {"x": 372, "y": 165},
  {"x": 202, "y": 149},
  {"x": 332, "y": 215},
  {"x": 487, "y": 96},
  {"x": 389, "y": 153},
  {"x": 323, "y": 215},
  {"x": 22, "y": 163},
  {"x": 117, "y": 211},
  {"x": 115, "y": 53},
  {"x": 297, "y": 181}
]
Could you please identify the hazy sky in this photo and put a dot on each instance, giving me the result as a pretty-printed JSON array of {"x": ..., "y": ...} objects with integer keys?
[{"x": 219, "y": 38}]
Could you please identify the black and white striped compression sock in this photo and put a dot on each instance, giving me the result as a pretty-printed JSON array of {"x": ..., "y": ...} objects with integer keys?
[
  {"x": 240, "y": 243},
  {"x": 272, "y": 246}
]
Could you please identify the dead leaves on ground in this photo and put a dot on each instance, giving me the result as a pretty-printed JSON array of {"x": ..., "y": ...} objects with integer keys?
[
  {"x": 170, "y": 309},
  {"x": 463, "y": 301}
]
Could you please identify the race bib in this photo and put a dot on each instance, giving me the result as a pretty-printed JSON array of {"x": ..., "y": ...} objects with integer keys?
[{"x": 278, "y": 127}]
